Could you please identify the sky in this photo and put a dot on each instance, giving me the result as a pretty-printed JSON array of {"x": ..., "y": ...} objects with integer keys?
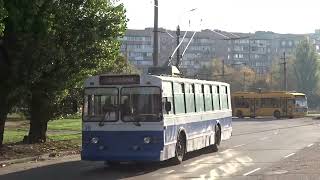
[{"x": 280, "y": 16}]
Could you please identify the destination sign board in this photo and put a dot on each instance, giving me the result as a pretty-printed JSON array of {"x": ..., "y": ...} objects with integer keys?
[{"x": 119, "y": 80}]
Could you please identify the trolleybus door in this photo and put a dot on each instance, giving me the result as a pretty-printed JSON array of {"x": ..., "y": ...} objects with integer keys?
[
  {"x": 283, "y": 106},
  {"x": 252, "y": 108}
]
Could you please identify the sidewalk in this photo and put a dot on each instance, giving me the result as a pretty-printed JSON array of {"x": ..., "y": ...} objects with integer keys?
[
  {"x": 42, "y": 157},
  {"x": 304, "y": 165}
]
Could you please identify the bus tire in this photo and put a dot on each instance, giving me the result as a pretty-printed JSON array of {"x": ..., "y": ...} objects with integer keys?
[
  {"x": 217, "y": 139},
  {"x": 276, "y": 114},
  {"x": 180, "y": 149},
  {"x": 239, "y": 114}
]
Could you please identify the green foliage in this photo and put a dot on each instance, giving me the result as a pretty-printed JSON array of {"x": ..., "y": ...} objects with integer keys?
[
  {"x": 3, "y": 15},
  {"x": 277, "y": 73},
  {"x": 59, "y": 43},
  {"x": 52, "y": 46},
  {"x": 306, "y": 68},
  {"x": 239, "y": 77}
]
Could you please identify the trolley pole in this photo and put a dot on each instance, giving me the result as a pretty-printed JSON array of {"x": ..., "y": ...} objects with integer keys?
[
  {"x": 178, "y": 42},
  {"x": 285, "y": 81},
  {"x": 223, "y": 69},
  {"x": 155, "y": 35}
]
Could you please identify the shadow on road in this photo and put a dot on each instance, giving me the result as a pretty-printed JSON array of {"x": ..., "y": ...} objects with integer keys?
[
  {"x": 258, "y": 119},
  {"x": 79, "y": 170}
]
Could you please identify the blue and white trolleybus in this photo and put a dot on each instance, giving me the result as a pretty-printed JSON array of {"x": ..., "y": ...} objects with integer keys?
[{"x": 152, "y": 118}]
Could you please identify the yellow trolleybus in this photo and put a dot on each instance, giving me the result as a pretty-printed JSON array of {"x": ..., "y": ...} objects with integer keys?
[{"x": 273, "y": 103}]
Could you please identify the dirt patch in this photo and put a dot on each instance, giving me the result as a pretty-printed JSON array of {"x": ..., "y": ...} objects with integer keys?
[
  {"x": 17, "y": 125},
  {"x": 19, "y": 150}
]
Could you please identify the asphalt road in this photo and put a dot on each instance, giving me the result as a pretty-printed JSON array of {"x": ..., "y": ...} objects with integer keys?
[{"x": 255, "y": 145}]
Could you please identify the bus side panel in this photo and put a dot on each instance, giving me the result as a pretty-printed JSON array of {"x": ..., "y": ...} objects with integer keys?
[
  {"x": 199, "y": 130},
  {"x": 226, "y": 127}
]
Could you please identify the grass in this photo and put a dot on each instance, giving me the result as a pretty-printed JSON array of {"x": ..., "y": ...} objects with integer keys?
[
  {"x": 60, "y": 128},
  {"x": 64, "y": 137},
  {"x": 65, "y": 124},
  {"x": 13, "y": 136}
]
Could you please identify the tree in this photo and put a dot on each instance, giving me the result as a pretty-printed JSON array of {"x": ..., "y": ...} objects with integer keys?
[
  {"x": 53, "y": 45},
  {"x": 305, "y": 68},
  {"x": 276, "y": 77},
  {"x": 240, "y": 78}
]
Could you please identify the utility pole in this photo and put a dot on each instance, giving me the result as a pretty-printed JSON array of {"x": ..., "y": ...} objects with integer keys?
[
  {"x": 244, "y": 81},
  {"x": 285, "y": 82},
  {"x": 271, "y": 74},
  {"x": 155, "y": 35},
  {"x": 178, "y": 42}
]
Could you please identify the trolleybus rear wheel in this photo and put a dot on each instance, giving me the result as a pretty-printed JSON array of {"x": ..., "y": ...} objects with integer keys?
[
  {"x": 217, "y": 139},
  {"x": 180, "y": 149},
  {"x": 276, "y": 114}
]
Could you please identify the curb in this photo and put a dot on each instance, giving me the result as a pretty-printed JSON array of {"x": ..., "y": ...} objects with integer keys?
[{"x": 37, "y": 158}]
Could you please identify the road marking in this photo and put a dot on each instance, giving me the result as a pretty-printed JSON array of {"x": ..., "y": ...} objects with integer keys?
[
  {"x": 264, "y": 138},
  {"x": 289, "y": 155},
  {"x": 250, "y": 172},
  {"x": 169, "y": 171},
  {"x": 310, "y": 145},
  {"x": 238, "y": 145}
]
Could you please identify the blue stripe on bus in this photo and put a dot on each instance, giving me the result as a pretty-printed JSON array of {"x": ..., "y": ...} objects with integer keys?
[{"x": 122, "y": 146}]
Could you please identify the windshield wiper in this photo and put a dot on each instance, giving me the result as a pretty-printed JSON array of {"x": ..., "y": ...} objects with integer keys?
[
  {"x": 107, "y": 115},
  {"x": 101, "y": 122},
  {"x": 135, "y": 119}
]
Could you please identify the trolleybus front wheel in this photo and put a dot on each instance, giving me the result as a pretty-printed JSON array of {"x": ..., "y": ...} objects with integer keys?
[{"x": 239, "y": 114}]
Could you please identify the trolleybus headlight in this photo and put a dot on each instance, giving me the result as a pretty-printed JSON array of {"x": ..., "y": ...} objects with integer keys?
[
  {"x": 94, "y": 140},
  {"x": 147, "y": 140}
]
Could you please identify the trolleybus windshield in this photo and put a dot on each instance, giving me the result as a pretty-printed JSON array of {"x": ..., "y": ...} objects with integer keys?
[
  {"x": 301, "y": 101},
  {"x": 141, "y": 104},
  {"x": 101, "y": 104}
]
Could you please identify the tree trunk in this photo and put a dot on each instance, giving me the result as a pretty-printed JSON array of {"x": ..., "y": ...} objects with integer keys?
[
  {"x": 40, "y": 114},
  {"x": 3, "y": 118}
]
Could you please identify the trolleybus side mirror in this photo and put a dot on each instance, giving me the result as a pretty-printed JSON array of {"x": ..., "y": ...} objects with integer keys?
[{"x": 168, "y": 106}]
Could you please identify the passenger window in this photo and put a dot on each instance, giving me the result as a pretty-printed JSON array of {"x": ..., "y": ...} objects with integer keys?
[
  {"x": 224, "y": 97},
  {"x": 215, "y": 97},
  {"x": 199, "y": 98},
  {"x": 189, "y": 94},
  {"x": 179, "y": 98},
  {"x": 167, "y": 96},
  {"x": 208, "y": 98}
]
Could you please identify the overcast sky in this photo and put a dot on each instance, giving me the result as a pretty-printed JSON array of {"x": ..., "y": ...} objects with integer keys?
[{"x": 281, "y": 16}]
